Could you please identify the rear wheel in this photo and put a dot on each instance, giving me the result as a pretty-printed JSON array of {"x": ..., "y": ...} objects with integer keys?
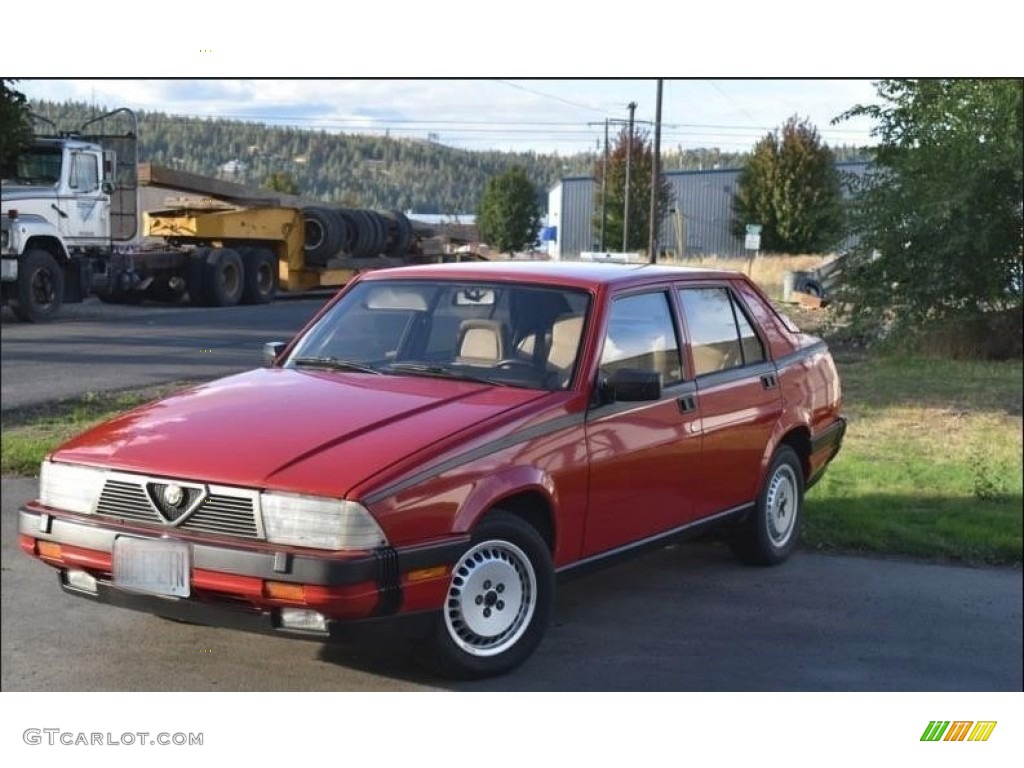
[
  {"x": 259, "y": 285},
  {"x": 771, "y": 532},
  {"x": 40, "y": 287},
  {"x": 224, "y": 278},
  {"x": 499, "y": 601}
]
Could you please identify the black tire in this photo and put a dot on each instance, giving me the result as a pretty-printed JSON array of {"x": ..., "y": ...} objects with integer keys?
[
  {"x": 224, "y": 279},
  {"x": 260, "y": 282},
  {"x": 771, "y": 532},
  {"x": 40, "y": 287},
  {"x": 351, "y": 238},
  {"x": 324, "y": 234},
  {"x": 362, "y": 240},
  {"x": 380, "y": 228},
  {"x": 405, "y": 234},
  {"x": 813, "y": 288},
  {"x": 195, "y": 276},
  {"x": 499, "y": 603}
]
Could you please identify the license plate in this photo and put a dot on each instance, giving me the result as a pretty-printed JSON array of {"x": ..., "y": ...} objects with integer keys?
[{"x": 153, "y": 566}]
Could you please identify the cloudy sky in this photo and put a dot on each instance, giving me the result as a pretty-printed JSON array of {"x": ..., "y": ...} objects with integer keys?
[{"x": 521, "y": 114}]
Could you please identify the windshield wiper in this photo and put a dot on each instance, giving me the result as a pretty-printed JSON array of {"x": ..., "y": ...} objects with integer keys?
[
  {"x": 440, "y": 372},
  {"x": 336, "y": 364}
]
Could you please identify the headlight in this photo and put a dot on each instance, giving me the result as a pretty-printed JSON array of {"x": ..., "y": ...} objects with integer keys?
[
  {"x": 70, "y": 487},
  {"x": 315, "y": 521}
]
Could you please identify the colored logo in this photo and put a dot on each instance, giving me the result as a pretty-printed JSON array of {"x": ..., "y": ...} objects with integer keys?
[{"x": 958, "y": 730}]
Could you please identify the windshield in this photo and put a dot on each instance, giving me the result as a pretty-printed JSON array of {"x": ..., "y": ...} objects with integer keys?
[
  {"x": 38, "y": 166},
  {"x": 496, "y": 333}
]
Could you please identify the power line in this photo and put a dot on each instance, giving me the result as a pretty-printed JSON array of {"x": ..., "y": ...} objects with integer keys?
[{"x": 552, "y": 97}]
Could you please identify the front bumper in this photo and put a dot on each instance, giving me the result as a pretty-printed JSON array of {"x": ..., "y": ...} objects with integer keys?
[{"x": 233, "y": 584}]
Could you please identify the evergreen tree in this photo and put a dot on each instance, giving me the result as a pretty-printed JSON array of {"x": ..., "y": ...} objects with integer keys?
[
  {"x": 279, "y": 181},
  {"x": 15, "y": 123},
  {"x": 641, "y": 168},
  {"x": 508, "y": 216},
  {"x": 790, "y": 186}
]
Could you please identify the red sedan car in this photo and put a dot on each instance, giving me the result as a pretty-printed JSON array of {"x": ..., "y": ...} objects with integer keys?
[{"x": 443, "y": 442}]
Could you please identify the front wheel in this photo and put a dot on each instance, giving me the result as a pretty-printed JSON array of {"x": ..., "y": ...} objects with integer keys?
[
  {"x": 499, "y": 601},
  {"x": 40, "y": 287},
  {"x": 770, "y": 534}
]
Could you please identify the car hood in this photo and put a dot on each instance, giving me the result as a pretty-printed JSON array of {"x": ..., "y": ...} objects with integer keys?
[{"x": 305, "y": 431}]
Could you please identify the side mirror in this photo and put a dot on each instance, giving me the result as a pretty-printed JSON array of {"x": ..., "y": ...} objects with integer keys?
[
  {"x": 632, "y": 385},
  {"x": 271, "y": 351},
  {"x": 108, "y": 187}
]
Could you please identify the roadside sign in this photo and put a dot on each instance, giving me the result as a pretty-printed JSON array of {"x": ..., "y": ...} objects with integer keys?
[
  {"x": 752, "y": 241},
  {"x": 753, "y": 229}
]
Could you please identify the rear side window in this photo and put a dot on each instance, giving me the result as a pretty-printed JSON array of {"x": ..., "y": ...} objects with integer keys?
[{"x": 721, "y": 336}]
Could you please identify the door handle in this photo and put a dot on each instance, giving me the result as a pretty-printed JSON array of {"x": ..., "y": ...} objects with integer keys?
[
  {"x": 768, "y": 381},
  {"x": 687, "y": 404}
]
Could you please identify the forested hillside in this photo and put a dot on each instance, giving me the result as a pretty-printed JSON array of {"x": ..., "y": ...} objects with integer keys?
[{"x": 355, "y": 169}]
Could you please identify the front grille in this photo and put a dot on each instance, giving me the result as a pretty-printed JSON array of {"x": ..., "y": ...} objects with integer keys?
[
  {"x": 127, "y": 501},
  {"x": 224, "y": 514},
  {"x": 220, "y": 512}
]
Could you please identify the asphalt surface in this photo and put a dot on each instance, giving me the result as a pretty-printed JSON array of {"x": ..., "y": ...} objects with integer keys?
[
  {"x": 686, "y": 618},
  {"x": 96, "y": 347}
]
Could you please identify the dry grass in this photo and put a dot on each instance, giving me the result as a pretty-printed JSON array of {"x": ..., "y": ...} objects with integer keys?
[{"x": 766, "y": 271}]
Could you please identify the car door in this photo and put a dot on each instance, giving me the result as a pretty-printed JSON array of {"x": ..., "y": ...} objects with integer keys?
[
  {"x": 738, "y": 396},
  {"x": 84, "y": 215},
  {"x": 643, "y": 454}
]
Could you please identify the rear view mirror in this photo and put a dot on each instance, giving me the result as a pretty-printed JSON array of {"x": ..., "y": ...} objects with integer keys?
[{"x": 271, "y": 351}]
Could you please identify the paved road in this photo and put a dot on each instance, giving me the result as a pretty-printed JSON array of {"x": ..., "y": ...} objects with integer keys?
[
  {"x": 683, "y": 619},
  {"x": 93, "y": 347}
]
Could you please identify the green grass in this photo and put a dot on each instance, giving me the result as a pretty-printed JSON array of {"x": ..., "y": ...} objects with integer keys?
[
  {"x": 32, "y": 432},
  {"x": 931, "y": 465}
]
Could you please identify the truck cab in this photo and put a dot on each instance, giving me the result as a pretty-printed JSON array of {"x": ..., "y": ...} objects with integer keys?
[{"x": 64, "y": 209}]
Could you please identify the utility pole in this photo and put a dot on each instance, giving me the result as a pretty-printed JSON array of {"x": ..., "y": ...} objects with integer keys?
[
  {"x": 604, "y": 185},
  {"x": 629, "y": 163},
  {"x": 655, "y": 179}
]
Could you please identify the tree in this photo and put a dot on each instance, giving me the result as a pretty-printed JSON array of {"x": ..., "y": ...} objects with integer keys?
[
  {"x": 278, "y": 181},
  {"x": 508, "y": 216},
  {"x": 641, "y": 168},
  {"x": 939, "y": 219},
  {"x": 790, "y": 186},
  {"x": 15, "y": 123}
]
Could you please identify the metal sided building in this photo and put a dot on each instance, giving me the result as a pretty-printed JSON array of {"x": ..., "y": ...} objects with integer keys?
[{"x": 700, "y": 211}]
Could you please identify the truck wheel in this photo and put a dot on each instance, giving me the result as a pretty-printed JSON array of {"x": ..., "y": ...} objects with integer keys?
[
  {"x": 40, "y": 287},
  {"x": 260, "y": 283},
  {"x": 324, "y": 234},
  {"x": 499, "y": 602},
  {"x": 225, "y": 276}
]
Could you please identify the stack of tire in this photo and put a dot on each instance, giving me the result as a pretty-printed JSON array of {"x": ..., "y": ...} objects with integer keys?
[{"x": 356, "y": 233}]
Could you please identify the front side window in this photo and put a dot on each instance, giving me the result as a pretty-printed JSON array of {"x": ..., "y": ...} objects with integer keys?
[
  {"x": 641, "y": 336},
  {"x": 84, "y": 173},
  {"x": 506, "y": 334},
  {"x": 721, "y": 336}
]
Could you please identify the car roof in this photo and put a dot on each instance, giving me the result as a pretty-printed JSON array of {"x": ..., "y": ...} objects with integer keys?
[{"x": 579, "y": 274}]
